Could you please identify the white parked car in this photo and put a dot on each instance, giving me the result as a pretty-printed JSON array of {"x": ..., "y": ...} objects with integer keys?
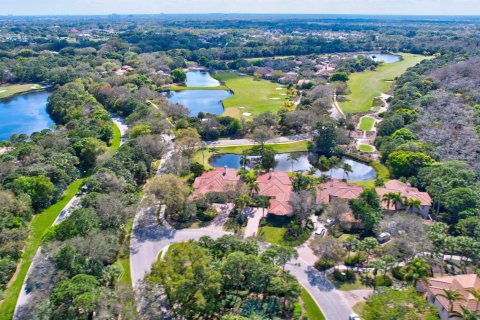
[
  {"x": 319, "y": 232},
  {"x": 354, "y": 316}
]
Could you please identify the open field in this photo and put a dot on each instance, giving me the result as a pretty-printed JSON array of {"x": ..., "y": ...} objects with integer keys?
[
  {"x": 38, "y": 227},
  {"x": 253, "y": 60},
  {"x": 253, "y": 96},
  {"x": 367, "y": 85},
  {"x": 9, "y": 91},
  {"x": 117, "y": 137},
  {"x": 366, "y": 123}
]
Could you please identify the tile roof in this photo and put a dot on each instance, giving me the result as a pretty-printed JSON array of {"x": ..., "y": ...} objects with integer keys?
[
  {"x": 405, "y": 190},
  {"x": 277, "y": 186},
  {"x": 460, "y": 283},
  {"x": 217, "y": 180},
  {"x": 337, "y": 189}
]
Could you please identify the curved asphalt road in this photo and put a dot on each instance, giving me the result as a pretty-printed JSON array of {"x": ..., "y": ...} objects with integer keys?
[{"x": 149, "y": 239}]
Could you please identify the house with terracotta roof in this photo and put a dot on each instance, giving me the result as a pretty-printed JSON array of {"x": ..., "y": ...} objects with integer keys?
[
  {"x": 217, "y": 180},
  {"x": 279, "y": 188},
  {"x": 337, "y": 189},
  {"x": 433, "y": 290},
  {"x": 407, "y": 192},
  {"x": 275, "y": 185}
]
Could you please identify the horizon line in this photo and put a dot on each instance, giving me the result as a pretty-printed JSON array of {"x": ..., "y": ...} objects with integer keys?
[{"x": 236, "y": 13}]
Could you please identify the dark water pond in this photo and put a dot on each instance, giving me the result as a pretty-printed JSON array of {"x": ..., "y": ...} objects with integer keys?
[
  {"x": 361, "y": 171},
  {"x": 386, "y": 58},
  {"x": 200, "y": 100},
  {"x": 25, "y": 113},
  {"x": 200, "y": 79}
]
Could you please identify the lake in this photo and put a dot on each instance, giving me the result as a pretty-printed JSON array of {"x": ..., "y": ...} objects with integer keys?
[
  {"x": 361, "y": 171},
  {"x": 386, "y": 58},
  {"x": 200, "y": 79},
  {"x": 25, "y": 113},
  {"x": 200, "y": 100}
]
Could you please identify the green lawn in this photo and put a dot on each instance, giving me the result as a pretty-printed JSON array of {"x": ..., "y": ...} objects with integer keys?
[
  {"x": 367, "y": 85},
  {"x": 359, "y": 307},
  {"x": 348, "y": 285},
  {"x": 366, "y": 148},
  {"x": 8, "y": 91},
  {"x": 366, "y": 123},
  {"x": 272, "y": 234},
  {"x": 253, "y": 96},
  {"x": 38, "y": 227},
  {"x": 124, "y": 259},
  {"x": 311, "y": 307},
  {"x": 117, "y": 137},
  {"x": 253, "y": 60}
]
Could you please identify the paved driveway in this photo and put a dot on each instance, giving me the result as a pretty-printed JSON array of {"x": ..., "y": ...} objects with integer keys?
[
  {"x": 330, "y": 300},
  {"x": 254, "y": 216},
  {"x": 149, "y": 238}
]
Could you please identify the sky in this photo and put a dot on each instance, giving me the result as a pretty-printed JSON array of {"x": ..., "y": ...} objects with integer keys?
[{"x": 87, "y": 7}]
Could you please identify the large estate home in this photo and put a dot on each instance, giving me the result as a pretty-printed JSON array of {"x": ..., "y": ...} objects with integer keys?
[
  {"x": 337, "y": 189},
  {"x": 217, "y": 180},
  {"x": 406, "y": 192},
  {"x": 433, "y": 290},
  {"x": 278, "y": 187}
]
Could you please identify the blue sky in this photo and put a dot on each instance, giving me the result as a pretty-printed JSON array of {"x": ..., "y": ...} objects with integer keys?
[{"x": 419, "y": 7}]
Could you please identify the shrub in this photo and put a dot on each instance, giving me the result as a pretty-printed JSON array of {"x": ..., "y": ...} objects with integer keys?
[
  {"x": 355, "y": 260},
  {"x": 297, "y": 310},
  {"x": 350, "y": 275},
  {"x": 399, "y": 273},
  {"x": 323, "y": 264},
  {"x": 339, "y": 275},
  {"x": 383, "y": 281},
  {"x": 208, "y": 215}
]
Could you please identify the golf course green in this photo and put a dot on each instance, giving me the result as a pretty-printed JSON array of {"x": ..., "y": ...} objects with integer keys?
[{"x": 367, "y": 85}]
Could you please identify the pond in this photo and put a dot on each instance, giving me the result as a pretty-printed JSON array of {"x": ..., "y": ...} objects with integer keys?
[
  {"x": 200, "y": 79},
  {"x": 361, "y": 171},
  {"x": 386, "y": 58},
  {"x": 25, "y": 113},
  {"x": 199, "y": 100}
]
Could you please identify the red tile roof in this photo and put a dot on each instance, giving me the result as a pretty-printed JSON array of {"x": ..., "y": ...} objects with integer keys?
[
  {"x": 405, "y": 190},
  {"x": 460, "y": 283},
  {"x": 277, "y": 186},
  {"x": 337, "y": 189},
  {"x": 217, "y": 180}
]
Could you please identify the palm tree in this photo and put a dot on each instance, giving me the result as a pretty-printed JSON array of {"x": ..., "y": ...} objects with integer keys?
[
  {"x": 451, "y": 296},
  {"x": 202, "y": 148},
  {"x": 347, "y": 168},
  {"x": 389, "y": 198},
  {"x": 241, "y": 202},
  {"x": 351, "y": 244},
  {"x": 396, "y": 199},
  {"x": 264, "y": 202},
  {"x": 411, "y": 204},
  {"x": 292, "y": 157},
  {"x": 476, "y": 294},
  {"x": 254, "y": 187},
  {"x": 244, "y": 160},
  {"x": 466, "y": 314},
  {"x": 334, "y": 161}
]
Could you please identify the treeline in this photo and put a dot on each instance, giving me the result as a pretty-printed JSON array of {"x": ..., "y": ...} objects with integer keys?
[
  {"x": 82, "y": 254},
  {"x": 37, "y": 169},
  {"x": 429, "y": 137}
]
